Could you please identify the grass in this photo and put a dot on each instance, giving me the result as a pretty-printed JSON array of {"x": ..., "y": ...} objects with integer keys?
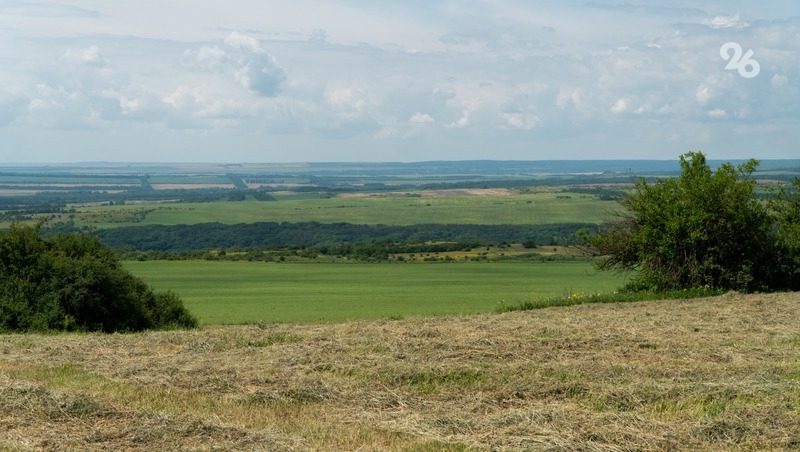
[
  {"x": 577, "y": 298},
  {"x": 702, "y": 374},
  {"x": 533, "y": 208},
  {"x": 249, "y": 292}
]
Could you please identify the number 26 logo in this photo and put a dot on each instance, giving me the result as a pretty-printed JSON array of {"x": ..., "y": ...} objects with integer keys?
[{"x": 745, "y": 65}]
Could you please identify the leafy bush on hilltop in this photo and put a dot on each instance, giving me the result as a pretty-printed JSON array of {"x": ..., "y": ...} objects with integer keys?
[
  {"x": 73, "y": 282},
  {"x": 705, "y": 229}
]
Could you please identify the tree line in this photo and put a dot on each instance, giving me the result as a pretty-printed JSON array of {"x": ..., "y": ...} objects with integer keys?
[{"x": 312, "y": 234}]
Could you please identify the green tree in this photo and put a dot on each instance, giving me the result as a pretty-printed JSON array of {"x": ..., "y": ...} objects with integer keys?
[
  {"x": 703, "y": 228},
  {"x": 73, "y": 282},
  {"x": 785, "y": 208}
]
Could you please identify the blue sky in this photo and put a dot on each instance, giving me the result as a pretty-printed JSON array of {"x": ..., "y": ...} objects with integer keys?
[{"x": 358, "y": 80}]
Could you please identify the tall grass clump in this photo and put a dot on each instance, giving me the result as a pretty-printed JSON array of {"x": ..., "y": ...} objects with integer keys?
[{"x": 577, "y": 298}]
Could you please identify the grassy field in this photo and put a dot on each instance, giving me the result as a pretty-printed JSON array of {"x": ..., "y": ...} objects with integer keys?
[
  {"x": 533, "y": 208},
  {"x": 248, "y": 292},
  {"x": 704, "y": 374}
]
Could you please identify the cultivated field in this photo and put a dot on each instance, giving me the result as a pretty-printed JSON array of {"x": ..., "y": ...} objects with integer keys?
[
  {"x": 519, "y": 208},
  {"x": 250, "y": 292},
  {"x": 703, "y": 374}
]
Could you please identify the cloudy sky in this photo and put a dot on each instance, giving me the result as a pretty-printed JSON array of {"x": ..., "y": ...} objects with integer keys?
[{"x": 365, "y": 80}]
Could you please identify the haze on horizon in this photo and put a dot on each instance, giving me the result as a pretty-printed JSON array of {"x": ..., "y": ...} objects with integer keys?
[{"x": 357, "y": 80}]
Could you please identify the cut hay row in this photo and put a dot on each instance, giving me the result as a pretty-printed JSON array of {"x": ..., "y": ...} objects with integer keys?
[{"x": 706, "y": 374}]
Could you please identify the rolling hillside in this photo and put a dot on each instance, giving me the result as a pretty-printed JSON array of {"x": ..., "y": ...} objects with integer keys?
[{"x": 701, "y": 374}]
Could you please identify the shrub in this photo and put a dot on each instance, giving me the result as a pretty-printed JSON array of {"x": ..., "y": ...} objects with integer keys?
[
  {"x": 73, "y": 282},
  {"x": 785, "y": 207},
  {"x": 702, "y": 229}
]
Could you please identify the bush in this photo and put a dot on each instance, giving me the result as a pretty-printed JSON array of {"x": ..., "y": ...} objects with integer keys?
[
  {"x": 785, "y": 207},
  {"x": 73, "y": 282},
  {"x": 702, "y": 229}
]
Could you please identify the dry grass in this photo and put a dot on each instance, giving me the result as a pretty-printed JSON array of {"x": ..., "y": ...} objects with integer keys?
[{"x": 706, "y": 374}]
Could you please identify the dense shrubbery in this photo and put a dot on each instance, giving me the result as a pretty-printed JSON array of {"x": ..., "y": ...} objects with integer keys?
[
  {"x": 706, "y": 229},
  {"x": 73, "y": 282}
]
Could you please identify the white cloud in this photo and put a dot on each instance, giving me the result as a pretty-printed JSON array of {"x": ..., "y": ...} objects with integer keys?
[
  {"x": 421, "y": 118},
  {"x": 90, "y": 56},
  {"x": 717, "y": 113},
  {"x": 261, "y": 74},
  {"x": 734, "y": 21},
  {"x": 620, "y": 106},
  {"x": 349, "y": 100},
  {"x": 703, "y": 94},
  {"x": 570, "y": 97},
  {"x": 245, "y": 59},
  {"x": 779, "y": 81},
  {"x": 210, "y": 58},
  {"x": 521, "y": 121},
  {"x": 461, "y": 122},
  {"x": 485, "y": 72},
  {"x": 130, "y": 105},
  {"x": 243, "y": 42}
]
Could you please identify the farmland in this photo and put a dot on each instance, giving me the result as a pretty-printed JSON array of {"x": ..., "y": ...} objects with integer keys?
[
  {"x": 546, "y": 207},
  {"x": 245, "y": 292},
  {"x": 346, "y": 335}
]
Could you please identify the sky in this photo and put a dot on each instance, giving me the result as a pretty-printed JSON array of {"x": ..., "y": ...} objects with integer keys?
[{"x": 371, "y": 80}]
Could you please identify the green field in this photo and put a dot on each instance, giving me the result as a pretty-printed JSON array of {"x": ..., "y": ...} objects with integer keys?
[
  {"x": 245, "y": 292},
  {"x": 533, "y": 208}
]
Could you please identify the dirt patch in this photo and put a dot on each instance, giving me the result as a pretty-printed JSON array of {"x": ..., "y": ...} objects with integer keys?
[
  {"x": 256, "y": 185},
  {"x": 449, "y": 193},
  {"x": 707, "y": 374},
  {"x": 188, "y": 186}
]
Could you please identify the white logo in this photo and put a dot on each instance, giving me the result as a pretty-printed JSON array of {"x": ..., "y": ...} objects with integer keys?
[{"x": 745, "y": 65}]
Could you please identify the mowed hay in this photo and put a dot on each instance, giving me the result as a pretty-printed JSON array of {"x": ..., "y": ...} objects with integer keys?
[{"x": 706, "y": 374}]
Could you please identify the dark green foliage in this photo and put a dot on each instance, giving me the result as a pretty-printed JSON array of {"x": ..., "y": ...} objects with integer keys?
[
  {"x": 268, "y": 235},
  {"x": 261, "y": 195},
  {"x": 237, "y": 195},
  {"x": 75, "y": 283},
  {"x": 702, "y": 229},
  {"x": 785, "y": 207}
]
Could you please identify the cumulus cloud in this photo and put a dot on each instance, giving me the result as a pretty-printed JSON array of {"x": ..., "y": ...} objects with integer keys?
[
  {"x": 89, "y": 56},
  {"x": 210, "y": 58},
  {"x": 349, "y": 100},
  {"x": 778, "y": 80},
  {"x": 717, "y": 113},
  {"x": 521, "y": 121},
  {"x": 703, "y": 94},
  {"x": 620, "y": 106},
  {"x": 245, "y": 59},
  {"x": 261, "y": 74},
  {"x": 421, "y": 118},
  {"x": 461, "y": 122},
  {"x": 570, "y": 97},
  {"x": 504, "y": 71},
  {"x": 734, "y": 21},
  {"x": 244, "y": 42}
]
